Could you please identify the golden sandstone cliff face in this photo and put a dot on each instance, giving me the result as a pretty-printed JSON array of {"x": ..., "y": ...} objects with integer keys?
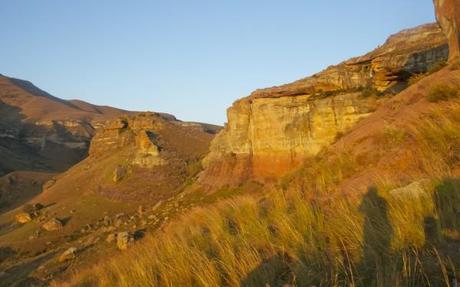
[
  {"x": 273, "y": 130},
  {"x": 448, "y": 16}
]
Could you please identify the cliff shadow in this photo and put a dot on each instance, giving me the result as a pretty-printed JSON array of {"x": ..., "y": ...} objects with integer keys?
[{"x": 5, "y": 253}]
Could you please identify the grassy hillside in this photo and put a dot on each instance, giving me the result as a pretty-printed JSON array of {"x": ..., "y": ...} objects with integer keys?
[{"x": 381, "y": 207}]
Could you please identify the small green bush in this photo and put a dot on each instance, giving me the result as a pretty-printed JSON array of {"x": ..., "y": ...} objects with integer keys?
[
  {"x": 442, "y": 93},
  {"x": 394, "y": 135}
]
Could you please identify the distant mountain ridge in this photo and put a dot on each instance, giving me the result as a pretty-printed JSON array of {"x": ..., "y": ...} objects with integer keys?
[{"x": 39, "y": 131}]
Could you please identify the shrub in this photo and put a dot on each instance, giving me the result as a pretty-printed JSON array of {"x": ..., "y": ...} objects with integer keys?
[
  {"x": 28, "y": 208},
  {"x": 442, "y": 92},
  {"x": 393, "y": 135},
  {"x": 370, "y": 91}
]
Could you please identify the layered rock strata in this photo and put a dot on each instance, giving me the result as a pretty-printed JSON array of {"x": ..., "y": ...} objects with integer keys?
[{"x": 273, "y": 130}]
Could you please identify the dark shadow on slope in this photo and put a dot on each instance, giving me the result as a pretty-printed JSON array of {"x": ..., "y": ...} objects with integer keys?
[
  {"x": 273, "y": 272},
  {"x": 5, "y": 253},
  {"x": 19, "y": 188},
  {"x": 377, "y": 235},
  {"x": 21, "y": 274}
]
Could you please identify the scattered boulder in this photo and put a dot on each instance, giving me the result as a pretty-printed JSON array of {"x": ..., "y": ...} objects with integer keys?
[
  {"x": 118, "y": 174},
  {"x": 107, "y": 221},
  {"x": 108, "y": 228},
  {"x": 124, "y": 240},
  {"x": 11, "y": 179},
  {"x": 414, "y": 189},
  {"x": 53, "y": 224},
  {"x": 69, "y": 254},
  {"x": 23, "y": 217},
  {"x": 118, "y": 223},
  {"x": 111, "y": 238},
  {"x": 141, "y": 210}
]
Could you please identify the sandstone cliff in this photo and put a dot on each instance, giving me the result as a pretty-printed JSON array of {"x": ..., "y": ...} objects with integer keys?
[
  {"x": 273, "y": 130},
  {"x": 448, "y": 16}
]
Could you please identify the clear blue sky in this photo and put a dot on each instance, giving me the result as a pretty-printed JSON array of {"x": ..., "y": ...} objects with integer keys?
[{"x": 188, "y": 58}]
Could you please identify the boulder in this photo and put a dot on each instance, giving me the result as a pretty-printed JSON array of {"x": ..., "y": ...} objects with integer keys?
[
  {"x": 111, "y": 238},
  {"x": 53, "y": 224},
  {"x": 415, "y": 189},
  {"x": 69, "y": 254},
  {"x": 141, "y": 210},
  {"x": 118, "y": 174},
  {"x": 107, "y": 221},
  {"x": 23, "y": 217},
  {"x": 124, "y": 240}
]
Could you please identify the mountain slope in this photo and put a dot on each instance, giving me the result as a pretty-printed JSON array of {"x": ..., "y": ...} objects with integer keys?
[
  {"x": 41, "y": 132},
  {"x": 380, "y": 207},
  {"x": 133, "y": 180}
]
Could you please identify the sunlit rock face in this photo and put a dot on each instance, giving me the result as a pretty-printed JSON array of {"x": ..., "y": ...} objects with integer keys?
[
  {"x": 136, "y": 133},
  {"x": 448, "y": 16},
  {"x": 272, "y": 131}
]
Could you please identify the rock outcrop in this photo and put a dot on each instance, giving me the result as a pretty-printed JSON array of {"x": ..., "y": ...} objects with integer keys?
[
  {"x": 67, "y": 255},
  {"x": 137, "y": 132},
  {"x": 448, "y": 16},
  {"x": 273, "y": 130},
  {"x": 145, "y": 157},
  {"x": 23, "y": 217},
  {"x": 53, "y": 224},
  {"x": 124, "y": 240}
]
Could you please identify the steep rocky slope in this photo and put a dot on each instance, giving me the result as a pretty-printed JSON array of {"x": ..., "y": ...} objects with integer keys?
[
  {"x": 273, "y": 130},
  {"x": 132, "y": 182},
  {"x": 41, "y": 132}
]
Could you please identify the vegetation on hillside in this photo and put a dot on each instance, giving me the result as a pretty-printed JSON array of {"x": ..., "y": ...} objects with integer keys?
[
  {"x": 379, "y": 240},
  {"x": 310, "y": 234}
]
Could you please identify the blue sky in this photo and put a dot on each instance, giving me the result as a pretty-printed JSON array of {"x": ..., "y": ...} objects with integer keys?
[{"x": 188, "y": 58}]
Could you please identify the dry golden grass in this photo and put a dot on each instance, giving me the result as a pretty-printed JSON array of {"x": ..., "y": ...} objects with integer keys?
[
  {"x": 283, "y": 238},
  {"x": 289, "y": 236},
  {"x": 379, "y": 240}
]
